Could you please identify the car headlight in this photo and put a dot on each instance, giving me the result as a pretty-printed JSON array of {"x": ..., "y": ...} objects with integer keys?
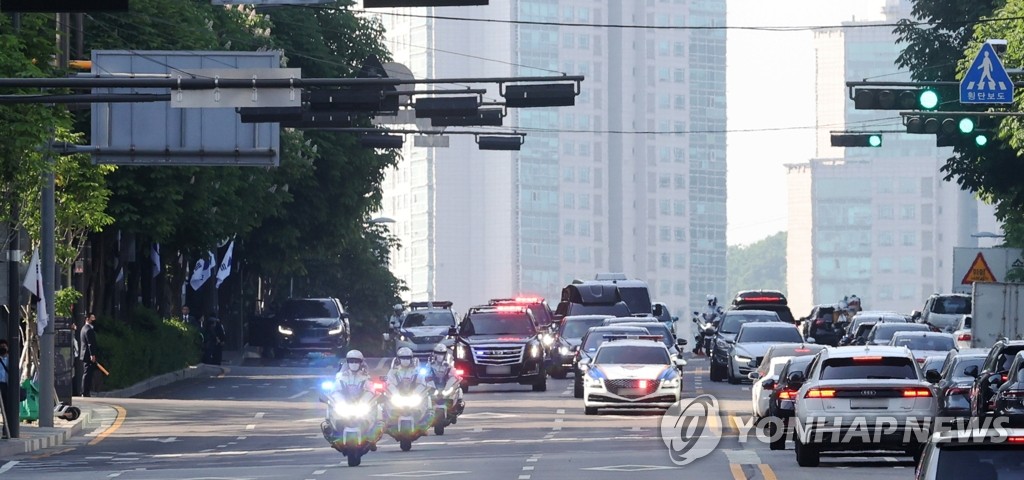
[
  {"x": 406, "y": 400},
  {"x": 672, "y": 383},
  {"x": 351, "y": 409},
  {"x": 336, "y": 331},
  {"x": 595, "y": 379},
  {"x": 534, "y": 350},
  {"x": 403, "y": 338},
  {"x": 460, "y": 351},
  {"x": 564, "y": 350},
  {"x": 547, "y": 339},
  {"x": 283, "y": 330},
  {"x": 741, "y": 359}
]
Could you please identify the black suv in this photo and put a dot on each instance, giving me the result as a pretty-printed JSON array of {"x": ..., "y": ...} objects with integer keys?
[
  {"x": 311, "y": 325},
  {"x": 991, "y": 375},
  {"x": 591, "y": 298},
  {"x": 771, "y": 300},
  {"x": 500, "y": 344}
]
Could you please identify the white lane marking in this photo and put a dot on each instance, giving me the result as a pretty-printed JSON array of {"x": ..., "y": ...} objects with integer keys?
[
  {"x": 528, "y": 468},
  {"x": 242, "y": 438},
  {"x": 222, "y": 446},
  {"x": 250, "y": 427},
  {"x": 259, "y": 415},
  {"x": 557, "y": 428},
  {"x": 890, "y": 459},
  {"x": 524, "y": 477},
  {"x": 560, "y": 411},
  {"x": 531, "y": 460},
  {"x": 7, "y": 466},
  {"x": 559, "y": 420},
  {"x": 300, "y": 394},
  {"x": 319, "y": 472}
]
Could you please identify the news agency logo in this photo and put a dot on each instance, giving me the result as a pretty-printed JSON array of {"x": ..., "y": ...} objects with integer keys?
[{"x": 691, "y": 429}]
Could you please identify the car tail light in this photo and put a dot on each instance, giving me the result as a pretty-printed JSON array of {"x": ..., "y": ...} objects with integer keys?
[
  {"x": 867, "y": 359},
  {"x": 459, "y": 372},
  {"x": 1012, "y": 393},
  {"x": 917, "y": 392},
  {"x": 820, "y": 393},
  {"x": 1005, "y": 376},
  {"x": 788, "y": 394},
  {"x": 1015, "y": 439},
  {"x": 964, "y": 337}
]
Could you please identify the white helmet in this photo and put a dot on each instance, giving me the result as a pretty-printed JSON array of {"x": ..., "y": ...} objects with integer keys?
[
  {"x": 440, "y": 353},
  {"x": 405, "y": 356},
  {"x": 712, "y": 300},
  {"x": 398, "y": 307},
  {"x": 354, "y": 358}
]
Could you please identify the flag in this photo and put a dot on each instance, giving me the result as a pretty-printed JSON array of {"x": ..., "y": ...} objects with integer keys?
[
  {"x": 203, "y": 271},
  {"x": 225, "y": 264},
  {"x": 118, "y": 267},
  {"x": 34, "y": 283},
  {"x": 154, "y": 256}
]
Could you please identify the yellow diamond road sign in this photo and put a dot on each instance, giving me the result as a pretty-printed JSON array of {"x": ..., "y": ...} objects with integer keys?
[{"x": 979, "y": 272}]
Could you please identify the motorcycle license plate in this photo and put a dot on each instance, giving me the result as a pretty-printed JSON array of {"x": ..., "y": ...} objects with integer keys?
[
  {"x": 499, "y": 369},
  {"x": 405, "y": 423}
]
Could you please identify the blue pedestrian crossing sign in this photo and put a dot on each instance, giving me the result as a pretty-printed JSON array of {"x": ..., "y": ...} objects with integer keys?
[{"x": 987, "y": 81}]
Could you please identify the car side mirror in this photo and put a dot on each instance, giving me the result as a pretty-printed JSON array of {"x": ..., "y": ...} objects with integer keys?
[
  {"x": 584, "y": 363},
  {"x": 453, "y": 332},
  {"x": 675, "y": 318},
  {"x": 995, "y": 379},
  {"x": 797, "y": 377},
  {"x": 971, "y": 371},
  {"x": 679, "y": 362},
  {"x": 810, "y": 340},
  {"x": 754, "y": 376},
  {"x": 681, "y": 342},
  {"x": 346, "y": 315},
  {"x": 933, "y": 376}
]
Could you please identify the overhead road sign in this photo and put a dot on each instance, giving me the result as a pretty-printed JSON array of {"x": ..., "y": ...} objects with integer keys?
[
  {"x": 238, "y": 97},
  {"x": 63, "y": 6},
  {"x": 979, "y": 271},
  {"x": 271, "y": 3},
  {"x": 986, "y": 82},
  {"x": 995, "y": 264},
  {"x": 421, "y": 3}
]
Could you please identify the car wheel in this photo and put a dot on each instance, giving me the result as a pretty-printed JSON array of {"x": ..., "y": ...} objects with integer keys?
[
  {"x": 716, "y": 373},
  {"x": 558, "y": 372},
  {"x": 728, "y": 374},
  {"x": 807, "y": 455},
  {"x": 590, "y": 410},
  {"x": 577, "y": 387},
  {"x": 542, "y": 384}
]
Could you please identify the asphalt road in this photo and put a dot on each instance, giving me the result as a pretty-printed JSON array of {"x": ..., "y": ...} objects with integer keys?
[{"x": 262, "y": 422}]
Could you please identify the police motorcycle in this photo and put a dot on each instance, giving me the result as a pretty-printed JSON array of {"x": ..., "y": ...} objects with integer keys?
[
  {"x": 447, "y": 395},
  {"x": 353, "y": 424},
  {"x": 707, "y": 326},
  {"x": 408, "y": 404}
]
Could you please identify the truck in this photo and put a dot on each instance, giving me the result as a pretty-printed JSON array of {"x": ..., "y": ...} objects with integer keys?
[{"x": 998, "y": 310}]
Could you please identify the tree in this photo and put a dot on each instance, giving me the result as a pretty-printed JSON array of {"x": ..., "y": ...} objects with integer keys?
[{"x": 761, "y": 264}]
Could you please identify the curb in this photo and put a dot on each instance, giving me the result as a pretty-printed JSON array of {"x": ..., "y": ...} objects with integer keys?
[
  {"x": 161, "y": 380},
  {"x": 37, "y": 438}
]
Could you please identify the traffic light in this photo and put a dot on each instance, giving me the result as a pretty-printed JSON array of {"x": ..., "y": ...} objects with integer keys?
[
  {"x": 952, "y": 129},
  {"x": 895, "y": 99},
  {"x": 857, "y": 140}
]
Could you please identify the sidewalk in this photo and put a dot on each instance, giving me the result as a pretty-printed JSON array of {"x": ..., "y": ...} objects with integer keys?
[{"x": 33, "y": 438}]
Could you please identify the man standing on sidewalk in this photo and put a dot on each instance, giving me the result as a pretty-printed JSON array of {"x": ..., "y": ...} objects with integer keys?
[{"x": 88, "y": 349}]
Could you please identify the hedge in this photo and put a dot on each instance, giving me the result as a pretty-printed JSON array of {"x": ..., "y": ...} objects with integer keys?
[{"x": 144, "y": 346}]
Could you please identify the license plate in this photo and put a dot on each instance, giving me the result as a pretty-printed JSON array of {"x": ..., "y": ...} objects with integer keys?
[
  {"x": 499, "y": 370},
  {"x": 872, "y": 403},
  {"x": 635, "y": 392}
]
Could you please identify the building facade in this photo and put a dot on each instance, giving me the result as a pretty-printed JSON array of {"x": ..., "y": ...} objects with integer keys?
[
  {"x": 880, "y": 223},
  {"x": 631, "y": 179}
]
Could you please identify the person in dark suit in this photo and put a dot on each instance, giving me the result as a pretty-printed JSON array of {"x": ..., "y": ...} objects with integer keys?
[
  {"x": 214, "y": 337},
  {"x": 188, "y": 318},
  {"x": 88, "y": 353}
]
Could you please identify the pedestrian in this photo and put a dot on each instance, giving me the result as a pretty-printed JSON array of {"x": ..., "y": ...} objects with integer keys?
[
  {"x": 214, "y": 337},
  {"x": 4, "y": 359},
  {"x": 186, "y": 316},
  {"x": 89, "y": 351}
]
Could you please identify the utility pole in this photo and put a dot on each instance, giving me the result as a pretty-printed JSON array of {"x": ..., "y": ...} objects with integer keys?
[{"x": 13, "y": 420}]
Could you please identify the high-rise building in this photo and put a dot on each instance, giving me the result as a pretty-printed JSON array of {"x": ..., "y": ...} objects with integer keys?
[
  {"x": 880, "y": 223},
  {"x": 631, "y": 179}
]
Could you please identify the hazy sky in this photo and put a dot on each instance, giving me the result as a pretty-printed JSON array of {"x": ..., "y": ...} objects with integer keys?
[{"x": 770, "y": 78}]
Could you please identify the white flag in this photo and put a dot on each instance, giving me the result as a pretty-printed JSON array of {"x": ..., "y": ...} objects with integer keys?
[
  {"x": 34, "y": 283},
  {"x": 203, "y": 271},
  {"x": 154, "y": 256},
  {"x": 225, "y": 264}
]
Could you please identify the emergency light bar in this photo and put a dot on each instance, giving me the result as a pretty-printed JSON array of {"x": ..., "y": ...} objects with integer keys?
[
  {"x": 438, "y": 304},
  {"x": 611, "y": 338}
]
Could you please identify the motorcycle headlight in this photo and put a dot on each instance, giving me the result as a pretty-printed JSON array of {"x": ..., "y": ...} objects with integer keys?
[
  {"x": 564, "y": 350},
  {"x": 534, "y": 350},
  {"x": 336, "y": 331},
  {"x": 406, "y": 400},
  {"x": 283, "y": 330},
  {"x": 547, "y": 339},
  {"x": 351, "y": 409},
  {"x": 327, "y": 386}
]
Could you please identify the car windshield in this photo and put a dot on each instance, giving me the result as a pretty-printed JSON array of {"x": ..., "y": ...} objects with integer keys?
[
  {"x": 869, "y": 367},
  {"x": 632, "y": 355},
  {"x": 658, "y": 328},
  {"x": 429, "y": 319},
  {"x": 577, "y": 327},
  {"x": 732, "y": 322},
  {"x": 952, "y": 305},
  {"x": 884, "y": 333},
  {"x": 864, "y": 329},
  {"x": 1006, "y": 357},
  {"x": 299, "y": 309},
  {"x": 933, "y": 363},
  {"x": 497, "y": 324},
  {"x": 596, "y": 338},
  {"x": 960, "y": 370},
  {"x": 615, "y": 309},
  {"x": 924, "y": 342},
  {"x": 541, "y": 313},
  {"x": 992, "y": 460},
  {"x": 798, "y": 365},
  {"x": 769, "y": 335}
]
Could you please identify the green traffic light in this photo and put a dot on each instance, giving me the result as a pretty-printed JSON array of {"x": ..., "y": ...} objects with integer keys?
[
  {"x": 966, "y": 125},
  {"x": 928, "y": 99},
  {"x": 981, "y": 140},
  {"x": 875, "y": 140}
]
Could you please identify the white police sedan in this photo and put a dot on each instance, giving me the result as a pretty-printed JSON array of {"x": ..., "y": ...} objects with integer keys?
[{"x": 634, "y": 371}]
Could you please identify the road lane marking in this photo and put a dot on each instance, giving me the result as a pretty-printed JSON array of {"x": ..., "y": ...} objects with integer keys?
[
  {"x": 7, "y": 466},
  {"x": 560, "y": 411},
  {"x": 259, "y": 415},
  {"x": 300, "y": 394},
  {"x": 528, "y": 468},
  {"x": 319, "y": 472},
  {"x": 242, "y": 438},
  {"x": 250, "y": 427},
  {"x": 531, "y": 460},
  {"x": 524, "y": 477},
  {"x": 118, "y": 421},
  {"x": 737, "y": 472},
  {"x": 767, "y": 472}
]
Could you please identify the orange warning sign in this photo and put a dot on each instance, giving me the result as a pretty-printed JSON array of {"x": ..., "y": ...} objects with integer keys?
[{"x": 979, "y": 272}]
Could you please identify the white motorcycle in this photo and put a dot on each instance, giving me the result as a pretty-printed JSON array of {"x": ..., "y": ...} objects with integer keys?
[
  {"x": 448, "y": 402},
  {"x": 409, "y": 410},
  {"x": 353, "y": 424}
]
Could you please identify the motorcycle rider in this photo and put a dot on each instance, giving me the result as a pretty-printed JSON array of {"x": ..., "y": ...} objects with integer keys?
[
  {"x": 712, "y": 313},
  {"x": 854, "y": 305},
  {"x": 441, "y": 369},
  {"x": 402, "y": 371},
  {"x": 354, "y": 372},
  {"x": 395, "y": 321}
]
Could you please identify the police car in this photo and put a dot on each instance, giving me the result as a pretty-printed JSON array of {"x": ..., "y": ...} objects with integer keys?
[{"x": 631, "y": 371}]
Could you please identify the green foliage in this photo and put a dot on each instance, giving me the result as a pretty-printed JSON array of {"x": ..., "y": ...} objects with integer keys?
[
  {"x": 64, "y": 300},
  {"x": 143, "y": 347},
  {"x": 761, "y": 264}
]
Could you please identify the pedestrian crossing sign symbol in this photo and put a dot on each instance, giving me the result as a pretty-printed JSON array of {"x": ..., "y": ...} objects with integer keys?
[
  {"x": 987, "y": 81},
  {"x": 979, "y": 272}
]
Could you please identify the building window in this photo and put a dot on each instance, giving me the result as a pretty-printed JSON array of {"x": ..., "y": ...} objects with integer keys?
[
  {"x": 568, "y": 40},
  {"x": 584, "y": 149},
  {"x": 908, "y": 265},
  {"x": 584, "y": 201},
  {"x": 679, "y": 49},
  {"x": 665, "y": 234},
  {"x": 665, "y": 287},
  {"x": 884, "y": 185},
  {"x": 926, "y": 240},
  {"x": 885, "y": 265},
  {"x": 665, "y": 261},
  {"x": 680, "y": 102},
  {"x": 908, "y": 212},
  {"x": 678, "y": 154},
  {"x": 927, "y": 267},
  {"x": 885, "y": 212},
  {"x": 664, "y": 74},
  {"x": 567, "y": 174},
  {"x": 908, "y": 239},
  {"x": 679, "y": 288},
  {"x": 926, "y": 214},
  {"x": 584, "y": 173},
  {"x": 584, "y": 255},
  {"x": 926, "y": 187},
  {"x": 678, "y": 208},
  {"x": 680, "y": 234},
  {"x": 885, "y": 292},
  {"x": 908, "y": 291},
  {"x": 569, "y": 254},
  {"x": 584, "y": 42},
  {"x": 569, "y": 200},
  {"x": 680, "y": 261},
  {"x": 680, "y": 182},
  {"x": 665, "y": 207},
  {"x": 568, "y": 228},
  {"x": 908, "y": 185},
  {"x": 885, "y": 239},
  {"x": 664, "y": 181},
  {"x": 598, "y": 232},
  {"x": 584, "y": 228}
]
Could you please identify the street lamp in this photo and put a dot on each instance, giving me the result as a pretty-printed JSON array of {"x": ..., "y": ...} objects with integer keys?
[
  {"x": 987, "y": 235},
  {"x": 379, "y": 220}
]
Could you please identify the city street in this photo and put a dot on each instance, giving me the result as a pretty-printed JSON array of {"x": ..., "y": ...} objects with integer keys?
[{"x": 262, "y": 422}]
